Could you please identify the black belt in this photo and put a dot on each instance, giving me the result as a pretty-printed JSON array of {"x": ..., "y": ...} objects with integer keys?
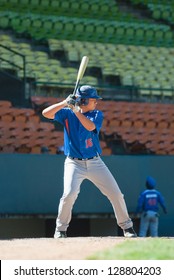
[{"x": 83, "y": 158}]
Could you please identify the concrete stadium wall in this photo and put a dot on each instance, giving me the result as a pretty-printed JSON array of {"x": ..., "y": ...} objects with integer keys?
[{"x": 33, "y": 185}]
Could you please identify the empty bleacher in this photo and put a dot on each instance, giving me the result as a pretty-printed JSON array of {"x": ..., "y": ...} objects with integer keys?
[
  {"x": 149, "y": 69},
  {"x": 96, "y": 29},
  {"x": 150, "y": 127}
]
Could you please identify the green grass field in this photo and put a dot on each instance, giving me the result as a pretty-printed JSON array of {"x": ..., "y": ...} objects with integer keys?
[{"x": 139, "y": 249}]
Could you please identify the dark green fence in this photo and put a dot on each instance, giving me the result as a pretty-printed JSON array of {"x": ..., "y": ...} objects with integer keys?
[{"x": 33, "y": 185}]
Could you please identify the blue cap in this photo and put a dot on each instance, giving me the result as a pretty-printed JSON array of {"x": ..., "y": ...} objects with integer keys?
[{"x": 150, "y": 182}]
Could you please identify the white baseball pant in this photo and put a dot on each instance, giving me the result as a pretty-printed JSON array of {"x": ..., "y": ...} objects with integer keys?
[{"x": 95, "y": 170}]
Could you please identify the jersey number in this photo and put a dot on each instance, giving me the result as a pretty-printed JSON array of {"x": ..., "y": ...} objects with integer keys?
[
  {"x": 152, "y": 201},
  {"x": 89, "y": 143}
]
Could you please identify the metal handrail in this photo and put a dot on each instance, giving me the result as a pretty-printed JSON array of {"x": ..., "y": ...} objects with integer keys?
[{"x": 24, "y": 63}]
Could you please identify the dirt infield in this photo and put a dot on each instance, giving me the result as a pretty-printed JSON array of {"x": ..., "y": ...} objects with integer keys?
[{"x": 74, "y": 248}]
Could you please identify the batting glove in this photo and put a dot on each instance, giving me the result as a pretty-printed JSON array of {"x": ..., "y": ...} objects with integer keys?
[
  {"x": 71, "y": 100},
  {"x": 76, "y": 108}
]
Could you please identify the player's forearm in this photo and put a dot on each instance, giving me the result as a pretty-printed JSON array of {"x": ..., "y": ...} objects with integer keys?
[
  {"x": 50, "y": 111},
  {"x": 88, "y": 124}
]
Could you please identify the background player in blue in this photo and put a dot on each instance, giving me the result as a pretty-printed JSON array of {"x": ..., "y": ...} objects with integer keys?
[
  {"x": 148, "y": 207},
  {"x": 82, "y": 123}
]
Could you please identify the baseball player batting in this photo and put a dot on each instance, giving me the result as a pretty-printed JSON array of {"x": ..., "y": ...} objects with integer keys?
[{"x": 82, "y": 123}]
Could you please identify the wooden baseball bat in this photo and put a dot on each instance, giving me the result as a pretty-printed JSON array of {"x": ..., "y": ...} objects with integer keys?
[{"x": 82, "y": 68}]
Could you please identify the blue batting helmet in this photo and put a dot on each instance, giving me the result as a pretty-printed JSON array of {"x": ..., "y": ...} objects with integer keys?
[{"x": 85, "y": 92}]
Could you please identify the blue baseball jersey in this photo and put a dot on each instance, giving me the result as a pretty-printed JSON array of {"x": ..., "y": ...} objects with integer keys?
[
  {"x": 149, "y": 200},
  {"x": 78, "y": 141}
]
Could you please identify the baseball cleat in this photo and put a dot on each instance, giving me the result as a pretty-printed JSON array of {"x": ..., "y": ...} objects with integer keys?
[
  {"x": 129, "y": 232},
  {"x": 60, "y": 234}
]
